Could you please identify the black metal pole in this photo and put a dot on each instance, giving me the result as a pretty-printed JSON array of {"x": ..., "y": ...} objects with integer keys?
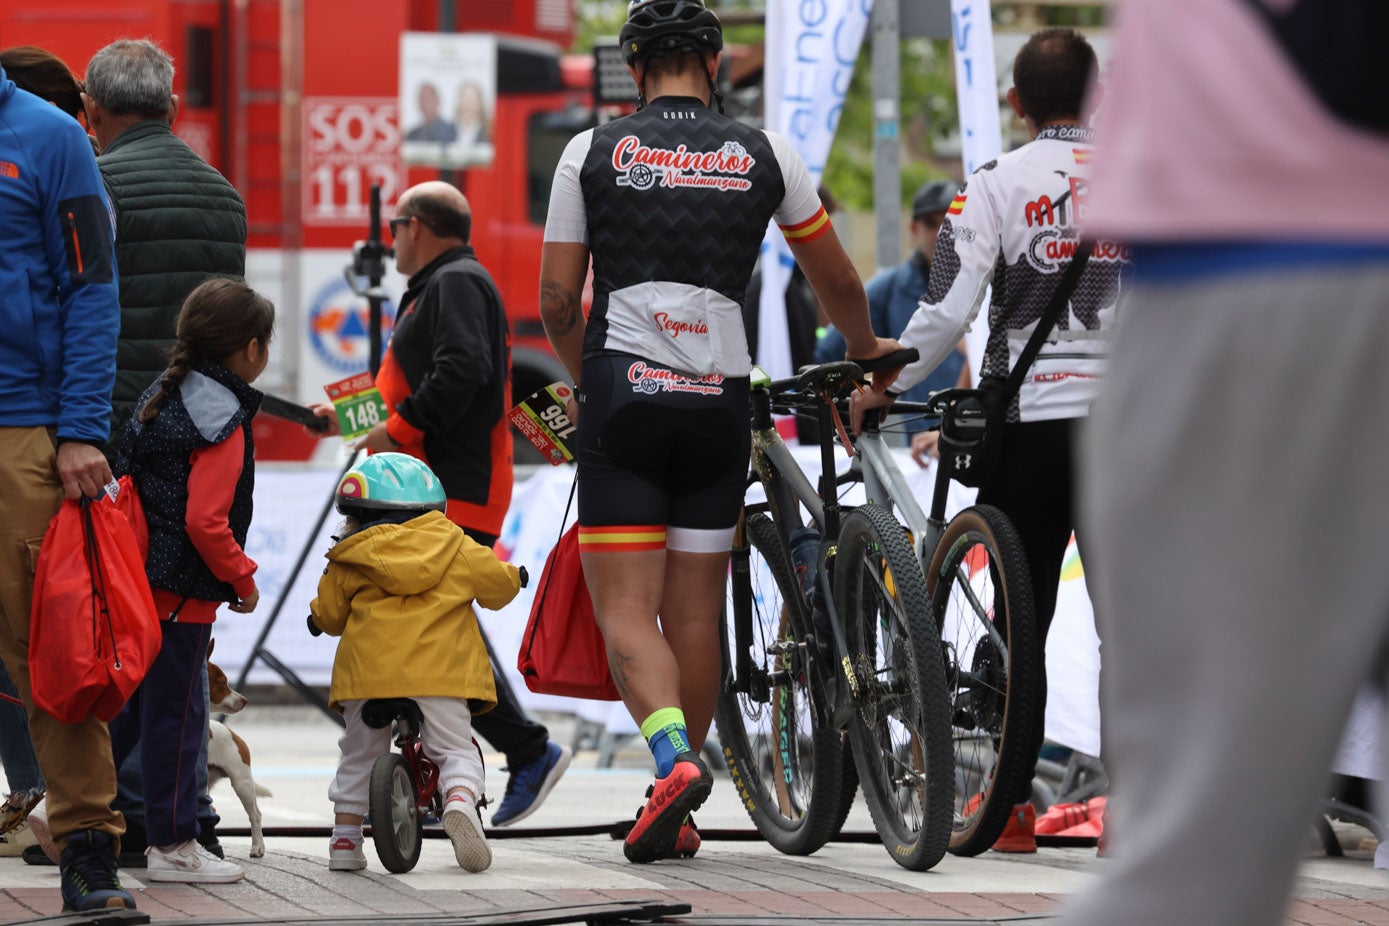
[{"x": 376, "y": 271}]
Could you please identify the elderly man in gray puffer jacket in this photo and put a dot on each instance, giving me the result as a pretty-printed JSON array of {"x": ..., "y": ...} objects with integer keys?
[{"x": 178, "y": 221}]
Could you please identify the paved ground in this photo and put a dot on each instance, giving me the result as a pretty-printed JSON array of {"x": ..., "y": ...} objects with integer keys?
[{"x": 295, "y": 753}]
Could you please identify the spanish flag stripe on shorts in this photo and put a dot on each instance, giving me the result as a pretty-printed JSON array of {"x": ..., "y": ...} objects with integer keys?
[
  {"x": 957, "y": 205},
  {"x": 621, "y": 538},
  {"x": 809, "y": 230},
  {"x": 1082, "y": 155}
]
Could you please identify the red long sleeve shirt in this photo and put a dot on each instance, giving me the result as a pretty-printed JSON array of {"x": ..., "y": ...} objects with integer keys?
[{"x": 211, "y": 487}]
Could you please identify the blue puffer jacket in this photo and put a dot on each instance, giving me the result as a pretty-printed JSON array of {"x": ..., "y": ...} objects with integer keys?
[
  {"x": 59, "y": 309},
  {"x": 892, "y": 298}
]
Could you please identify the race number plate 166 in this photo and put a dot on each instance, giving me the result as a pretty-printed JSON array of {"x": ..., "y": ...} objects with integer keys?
[
  {"x": 358, "y": 403},
  {"x": 542, "y": 417}
]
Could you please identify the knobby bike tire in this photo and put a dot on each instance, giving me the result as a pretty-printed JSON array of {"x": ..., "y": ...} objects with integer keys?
[
  {"x": 900, "y": 729},
  {"x": 981, "y": 593},
  {"x": 787, "y": 766},
  {"x": 395, "y": 820}
]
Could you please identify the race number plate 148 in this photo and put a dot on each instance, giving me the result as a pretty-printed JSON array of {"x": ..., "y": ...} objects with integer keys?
[{"x": 358, "y": 403}]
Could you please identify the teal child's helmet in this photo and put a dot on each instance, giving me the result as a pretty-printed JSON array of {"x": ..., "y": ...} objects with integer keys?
[{"x": 390, "y": 482}]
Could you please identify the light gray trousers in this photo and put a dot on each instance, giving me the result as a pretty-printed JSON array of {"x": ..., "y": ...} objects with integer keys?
[{"x": 1235, "y": 486}]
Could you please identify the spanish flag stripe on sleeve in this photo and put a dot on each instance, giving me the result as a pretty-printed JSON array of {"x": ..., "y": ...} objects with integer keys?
[
  {"x": 809, "y": 230},
  {"x": 621, "y": 538},
  {"x": 957, "y": 205}
]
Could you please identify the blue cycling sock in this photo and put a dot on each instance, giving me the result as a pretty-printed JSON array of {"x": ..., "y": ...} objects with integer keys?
[{"x": 666, "y": 736}]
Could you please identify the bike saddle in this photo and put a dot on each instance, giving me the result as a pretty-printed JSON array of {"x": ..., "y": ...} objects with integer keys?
[
  {"x": 382, "y": 712},
  {"x": 812, "y": 378}
]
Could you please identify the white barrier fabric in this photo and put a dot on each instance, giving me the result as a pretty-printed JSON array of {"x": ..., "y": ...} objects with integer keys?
[{"x": 288, "y": 501}]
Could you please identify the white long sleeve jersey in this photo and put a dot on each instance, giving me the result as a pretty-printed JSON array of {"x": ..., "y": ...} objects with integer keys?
[{"x": 1015, "y": 226}]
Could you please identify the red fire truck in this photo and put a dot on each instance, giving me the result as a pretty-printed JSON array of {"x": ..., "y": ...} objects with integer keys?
[{"x": 295, "y": 101}]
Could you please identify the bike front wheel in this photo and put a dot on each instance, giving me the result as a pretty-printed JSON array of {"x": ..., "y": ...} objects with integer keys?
[
  {"x": 788, "y": 767},
  {"x": 901, "y": 720},
  {"x": 981, "y": 591}
]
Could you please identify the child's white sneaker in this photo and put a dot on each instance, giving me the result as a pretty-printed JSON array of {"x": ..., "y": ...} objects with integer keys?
[
  {"x": 464, "y": 826},
  {"x": 189, "y": 863},
  {"x": 346, "y": 854}
]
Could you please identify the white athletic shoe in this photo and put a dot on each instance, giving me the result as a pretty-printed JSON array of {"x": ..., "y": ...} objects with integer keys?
[
  {"x": 464, "y": 826},
  {"x": 189, "y": 863},
  {"x": 346, "y": 855}
]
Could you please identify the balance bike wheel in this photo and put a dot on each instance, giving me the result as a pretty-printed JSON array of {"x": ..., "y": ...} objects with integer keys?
[{"x": 395, "y": 816}]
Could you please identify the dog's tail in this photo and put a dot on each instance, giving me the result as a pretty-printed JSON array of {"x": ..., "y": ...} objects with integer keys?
[{"x": 262, "y": 790}]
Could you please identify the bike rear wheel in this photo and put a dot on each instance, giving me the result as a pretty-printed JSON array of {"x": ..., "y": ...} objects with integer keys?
[
  {"x": 901, "y": 725},
  {"x": 395, "y": 816},
  {"x": 982, "y": 595},
  {"x": 787, "y": 766}
]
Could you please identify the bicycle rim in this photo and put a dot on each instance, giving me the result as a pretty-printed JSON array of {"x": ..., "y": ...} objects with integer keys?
[
  {"x": 788, "y": 770},
  {"x": 982, "y": 596},
  {"x": 900, "y": 730}
]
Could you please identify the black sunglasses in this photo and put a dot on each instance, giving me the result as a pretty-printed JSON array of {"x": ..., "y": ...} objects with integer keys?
[{"x": 398, "y": 220}]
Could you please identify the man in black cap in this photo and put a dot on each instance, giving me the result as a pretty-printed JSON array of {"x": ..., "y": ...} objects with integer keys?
[{"x": 894, "y": 293}]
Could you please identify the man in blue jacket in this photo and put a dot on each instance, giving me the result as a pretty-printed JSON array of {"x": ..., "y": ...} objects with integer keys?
[
  {"x": 894, "y": 293},
  {"x": 60, "y": 313}
]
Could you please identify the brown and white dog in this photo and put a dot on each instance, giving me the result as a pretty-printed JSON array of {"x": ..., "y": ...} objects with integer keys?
[{"x": 228, "y": 756}]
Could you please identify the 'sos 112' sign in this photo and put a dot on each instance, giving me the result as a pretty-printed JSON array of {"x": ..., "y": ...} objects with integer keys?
[{"x": 349, "y": 144}]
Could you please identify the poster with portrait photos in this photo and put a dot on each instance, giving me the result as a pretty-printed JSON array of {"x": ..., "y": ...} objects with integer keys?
[{"x": 448, "y": 99}]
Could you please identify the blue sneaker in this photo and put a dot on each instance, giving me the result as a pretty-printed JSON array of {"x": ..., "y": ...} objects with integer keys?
[
  {"x": 88, "y": 869},
  {"x": 528, "y": 785}
]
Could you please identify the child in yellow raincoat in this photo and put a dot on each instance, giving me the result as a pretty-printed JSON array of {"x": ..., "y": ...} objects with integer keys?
[{"x": 399, "y": 589}]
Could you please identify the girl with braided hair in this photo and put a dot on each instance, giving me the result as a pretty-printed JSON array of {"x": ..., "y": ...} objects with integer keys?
[{"x": 190, "y": 452}]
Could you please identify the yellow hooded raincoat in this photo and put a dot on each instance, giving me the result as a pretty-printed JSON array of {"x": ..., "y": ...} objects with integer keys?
[{"x": 400, "y": 596}]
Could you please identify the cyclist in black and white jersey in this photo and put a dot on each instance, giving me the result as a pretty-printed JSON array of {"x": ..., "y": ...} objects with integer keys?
[
  {"x": 672, "y": 204},
  {"x": 1015, "y": 226}
]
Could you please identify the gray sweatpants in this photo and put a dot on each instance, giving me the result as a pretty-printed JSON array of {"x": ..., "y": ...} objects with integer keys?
[{"x": 1235, "y": 484}]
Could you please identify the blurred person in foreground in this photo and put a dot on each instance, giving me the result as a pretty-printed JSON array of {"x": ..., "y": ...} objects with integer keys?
[{"x": 1240, "y": 584}]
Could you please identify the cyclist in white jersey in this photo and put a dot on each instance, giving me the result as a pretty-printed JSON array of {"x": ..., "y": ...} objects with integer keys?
[
  {"x": 672, "y": 204},
  {"x": 1015, "y": 226}
]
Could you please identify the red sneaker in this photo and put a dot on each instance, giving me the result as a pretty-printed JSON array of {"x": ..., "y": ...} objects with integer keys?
[
  {"x": 1061, "y": 817},
  {"x": 670, "y": 800},
  {"x": 687, "y": 843},
  {"x": 1020, "y": 834}
]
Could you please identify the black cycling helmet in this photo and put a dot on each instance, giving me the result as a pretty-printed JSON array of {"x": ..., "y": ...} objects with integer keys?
[
  {"x": 668, "y": 25},
  {"x": 935, "y": 196}
]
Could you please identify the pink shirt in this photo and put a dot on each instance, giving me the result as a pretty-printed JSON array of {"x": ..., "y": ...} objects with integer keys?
[{"x": 1206, "y": 132}]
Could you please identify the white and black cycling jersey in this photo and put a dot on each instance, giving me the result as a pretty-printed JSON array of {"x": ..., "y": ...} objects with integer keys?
[
  {"x": 1016, "y": 226},
  {"x": 673, "y": 202}
]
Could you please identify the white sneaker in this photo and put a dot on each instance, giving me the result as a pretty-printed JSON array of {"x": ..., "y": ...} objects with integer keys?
[
  {"x": 464, "y": 826},
  {"x": 18, "y": 839},
  {"x": 189, "y": 863},
  {"x": 346, "y": 855},
  {"x": 38, "y": 822}
]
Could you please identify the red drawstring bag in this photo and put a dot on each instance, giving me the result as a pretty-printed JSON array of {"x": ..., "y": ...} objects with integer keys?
[
  {"x": 562, "y": 652},
  {"x": 128, "y": 503},
  {"x": 93, "y": 629}
]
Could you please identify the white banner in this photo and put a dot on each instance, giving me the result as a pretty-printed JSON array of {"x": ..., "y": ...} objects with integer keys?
[
  {"x": 811, "y": 49},
  {"x": 976, "y": 94}
]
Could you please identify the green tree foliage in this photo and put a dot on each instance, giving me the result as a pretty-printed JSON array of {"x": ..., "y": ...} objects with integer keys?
[{"x": 928, "y": 115}]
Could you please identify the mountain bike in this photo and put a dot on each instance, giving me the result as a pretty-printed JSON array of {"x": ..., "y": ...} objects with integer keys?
[
  {"x": 829, "y": 635},
  {"x": 779, "y": 684}
]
